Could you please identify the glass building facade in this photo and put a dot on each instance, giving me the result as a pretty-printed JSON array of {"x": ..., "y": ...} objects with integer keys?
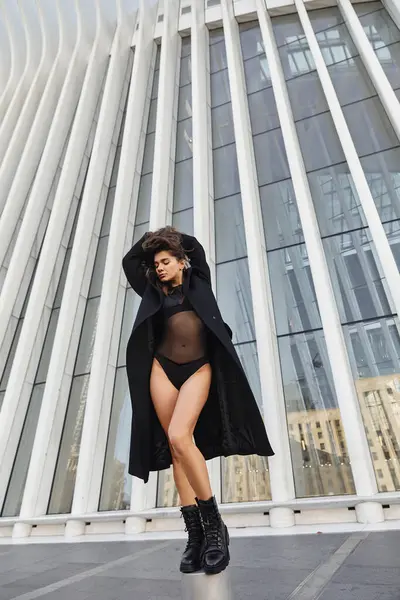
[{"x": 273, "y": 135}]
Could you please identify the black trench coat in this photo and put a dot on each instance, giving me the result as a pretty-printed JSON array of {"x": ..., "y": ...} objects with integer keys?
[{"x": 230, "y": 422}]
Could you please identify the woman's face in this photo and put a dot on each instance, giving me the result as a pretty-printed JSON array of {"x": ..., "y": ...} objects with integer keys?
[{"x": 168, "y": 268}]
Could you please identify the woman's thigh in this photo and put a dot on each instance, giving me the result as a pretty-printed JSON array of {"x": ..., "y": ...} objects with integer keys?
[
  {"x": 191, "y": 400},
  {"x": 163, "y": 394}
]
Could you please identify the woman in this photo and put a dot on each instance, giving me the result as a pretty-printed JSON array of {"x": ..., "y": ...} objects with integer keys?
[{"x": 186, "y": 380}]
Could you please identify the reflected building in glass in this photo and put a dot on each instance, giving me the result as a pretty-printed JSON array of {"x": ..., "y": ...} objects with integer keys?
[{"x": 270, "y": 133}]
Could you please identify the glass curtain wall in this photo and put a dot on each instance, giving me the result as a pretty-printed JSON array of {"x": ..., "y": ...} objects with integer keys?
[
  {"x": 370, "y": 324},
  {"x": 182, "y": 211},
  {"x": 117, "y": 483},
  {"x": 244, "y": 478},
  {"x": 320, "y": 458},
  {"x": 13, "y": 500},
  {"x": 65, "y": 473}
]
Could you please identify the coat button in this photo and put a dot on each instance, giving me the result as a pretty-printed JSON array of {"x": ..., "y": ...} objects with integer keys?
[{"x": 214, "y": 317}]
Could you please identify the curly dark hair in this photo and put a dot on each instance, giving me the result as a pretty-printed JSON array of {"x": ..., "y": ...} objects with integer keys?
[{"x": 167, "y": 238}]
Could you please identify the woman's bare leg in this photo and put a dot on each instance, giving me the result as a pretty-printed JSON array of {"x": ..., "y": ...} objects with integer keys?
[
  {"x": 192, "y": 397},
  {"x": 164, "y": 396}
]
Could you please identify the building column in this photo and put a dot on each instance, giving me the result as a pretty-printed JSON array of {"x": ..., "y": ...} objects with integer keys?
[
  {"x": 105, "y": 351},
  {"x": 203, "y": 195},
  {"x": 371, "y": 64},
  {"x": 363, "y": 472},
  {"x": 164, "y": 143},
  {"x": 393, "y": 8},
  {"x": 281, "y": 475},
  {"x": 379, "y": 237},
  {"x": 56, "y": 394}
]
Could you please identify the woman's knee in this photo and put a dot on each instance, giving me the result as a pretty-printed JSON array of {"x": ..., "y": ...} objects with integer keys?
[{"x": 180, "y": 440}]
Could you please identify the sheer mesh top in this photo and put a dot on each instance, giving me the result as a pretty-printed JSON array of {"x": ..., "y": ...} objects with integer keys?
[{"x": 184, "y": 335}]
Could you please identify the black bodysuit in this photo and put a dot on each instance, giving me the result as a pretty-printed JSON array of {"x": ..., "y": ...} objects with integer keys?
[{"x": 183, "y": 347}]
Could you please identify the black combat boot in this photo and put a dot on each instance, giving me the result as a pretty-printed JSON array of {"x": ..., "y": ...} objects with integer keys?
[
  {"x": 191, "y": 559},
  {"x": 216, "y": 552}
]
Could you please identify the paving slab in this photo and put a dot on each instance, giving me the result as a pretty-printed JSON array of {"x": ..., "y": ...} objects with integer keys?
[{"x": 300, "y": 567}]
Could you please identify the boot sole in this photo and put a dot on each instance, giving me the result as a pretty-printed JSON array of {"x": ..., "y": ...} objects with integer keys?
[
  {"x": 221, "y": 567},
  {"x": 188, "y": 570}
]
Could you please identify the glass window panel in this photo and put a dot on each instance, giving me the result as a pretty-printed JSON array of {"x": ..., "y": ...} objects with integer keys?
[
  {"x": 295, "y": 303},
  {"x": 369, "y": 126},
  {"x": 380, "y": 28},
  {"x": 143, "y": 206},
  {"x": 41, "y": 374},
  {"x": 183, "y": 221},
  {"x": 230, "y": 239},
  {"x": 389, "y": 57},
  {"x": 364, "y": 8},
  {"x": 64, "y": 480},
  {"x": 296, "y": 58},
  {"x": 351, "y": 81},
  {"x": 336, "y": 44},
  {"x": 86, "y": 344},
  {"x": 186, "y": 48},
  {"x": 392, "y": 231},
  {"x": 117, "y": 483},
  {"x": 63, "y": 278},
  {"x": 321, "y": 465},
  {"x": 114, "y": 175},
  {"x": 374, "y": 350},
  {"x": 222, "y": 125},
  {"x": 154, "y": 92},
  {"x": 271, "y": 158},
  {"x": 319, "y": 142},
  {"x": 226, "y": 174},
  {"x": 184, "y": 140},
  {"x": 287, "y": 29},
  {"x": 216, "y": 35},
  {"x": 306, "y": 96},
  {"x": 148, "y": 158},
  {"x": 382, "y": 171},
  {"x": 10, "y": 358},
  {"x": 158, "y": 57},
  {"x": 336, "y": 200},
  {"x": 357, "y": 278},
  {"x": 167, "y": 494},
  {"x": 257, "y": 74},
  {"x": 218, "y": 59},
  {"x": 98, "y": 270},
  {"x": 132, "y": 302},
  {"x": 281, "y": 220},
  {"x": 183, "y": 185},
  {"x": 151, "y": 124},
  {"x": 185, "y": 103},
  {"x": 186, "y": 71},
  {"x": 325, "y": 18},
  {"x": 251, "y": 40},
  {"x": 245, "y": 479},
  {"x": 220, "y": 90},
  {"x": 13, "y": 500},
  {"x": 105, "y": 226},
  {"x": 234, "y": 299},
  {"x": 263, "y": 111}
]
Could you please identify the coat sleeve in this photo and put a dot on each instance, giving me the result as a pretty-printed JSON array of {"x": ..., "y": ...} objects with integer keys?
[
  {"x": 197, "y": 256},
  {"x": 133, "y": 267}
]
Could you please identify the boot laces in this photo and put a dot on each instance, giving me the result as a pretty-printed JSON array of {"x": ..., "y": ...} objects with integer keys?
[
  {"x": 213, "y": 530},
  {"x": 194, "y": 529}
]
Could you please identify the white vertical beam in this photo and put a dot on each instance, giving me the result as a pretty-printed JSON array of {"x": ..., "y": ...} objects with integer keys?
[
  {"x": 105, "y": 351},
  {"x": 13, "y": 110},
  {"x": 41, "y": 188},
  {"x": 55, "y": 398},
  {"x": 383, "y": 250},
  {"x": 393, "y": 8},
  {"x": 203, "y": 193},
  {"x": 347, "y": 399},
  {"x": 281, "y": 478},
  {"x": 164, "y": 158},
  {"x": 371, "y": 64},
  {"x": 23, "y": 155}
]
